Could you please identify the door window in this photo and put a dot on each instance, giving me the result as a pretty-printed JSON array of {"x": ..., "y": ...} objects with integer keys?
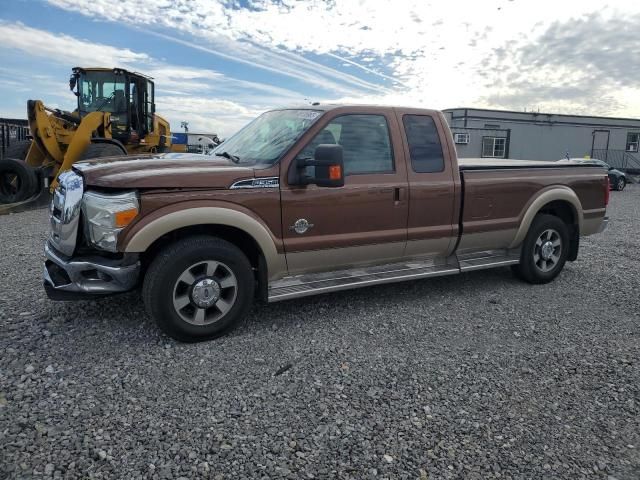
[
  {"x": 149, "y": 107},
  {"x": 365, "y": 142},
  {"x": 425, "y": 149}
]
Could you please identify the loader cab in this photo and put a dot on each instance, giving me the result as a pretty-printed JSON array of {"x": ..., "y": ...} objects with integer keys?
[{"x": 129, "y": 98}]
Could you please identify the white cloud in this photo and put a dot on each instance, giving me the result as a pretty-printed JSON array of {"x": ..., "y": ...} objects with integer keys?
[
  {"x": 435, "y": 51},
  {"x": 493, "y": 53},
  {"x": 205, "y": 98},
  {"x": 206, "y": 115},
  {"x": 64, "y": 48},
  {"x": 213, "y": 28}
]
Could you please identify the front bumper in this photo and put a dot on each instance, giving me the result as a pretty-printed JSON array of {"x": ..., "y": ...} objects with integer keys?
[
  {"x": 72, "y": 278},
  {"x": 603, "y": 225}
]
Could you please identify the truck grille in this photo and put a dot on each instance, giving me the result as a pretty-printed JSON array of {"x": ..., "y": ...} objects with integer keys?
[{"x": 65, "y": 212}]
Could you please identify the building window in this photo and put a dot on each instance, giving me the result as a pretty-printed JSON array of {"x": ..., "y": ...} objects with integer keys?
[
  {"x": 633, "y": 139},
  {"x": 461, "y": 138},
  {"x": 493, "y": 147}
]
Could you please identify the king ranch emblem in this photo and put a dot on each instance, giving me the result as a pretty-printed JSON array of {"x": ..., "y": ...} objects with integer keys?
[{"x": 301, "y": 226}]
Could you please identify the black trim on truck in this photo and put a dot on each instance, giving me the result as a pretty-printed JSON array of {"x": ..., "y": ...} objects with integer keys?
[{"x": 524, "y": 167}]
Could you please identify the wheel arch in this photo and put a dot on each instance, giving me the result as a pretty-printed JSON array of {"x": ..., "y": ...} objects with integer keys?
[
  {"x": 237, "y": 227},
  {"x": 240, "y": 238},
  {"x": 559, "y": 201}
]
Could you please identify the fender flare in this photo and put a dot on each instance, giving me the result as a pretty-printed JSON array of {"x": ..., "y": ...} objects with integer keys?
[
  {"x": 551, "y": 194},
  {"x": 210, "y": 215}
]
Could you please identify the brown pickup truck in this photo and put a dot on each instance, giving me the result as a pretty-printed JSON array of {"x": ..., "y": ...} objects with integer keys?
[{"x": 310, "y": 200}]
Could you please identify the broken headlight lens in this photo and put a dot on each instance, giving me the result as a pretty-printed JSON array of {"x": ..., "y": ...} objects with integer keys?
[{"x": 106, "y": 215}]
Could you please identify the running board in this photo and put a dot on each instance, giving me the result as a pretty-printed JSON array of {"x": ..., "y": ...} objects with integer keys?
[
  {"x": 315, "y": 283},
  {"x": 312, "y": 284},
  {"x": 488, "y": 259}
]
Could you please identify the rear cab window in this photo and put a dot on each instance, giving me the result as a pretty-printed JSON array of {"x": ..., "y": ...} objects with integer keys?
[{"x": 425, "y": 149}]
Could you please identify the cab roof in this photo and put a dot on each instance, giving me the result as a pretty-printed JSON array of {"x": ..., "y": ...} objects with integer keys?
[
  {"x": 325, "y": 107},
  {"x": 105, "y": 69}
]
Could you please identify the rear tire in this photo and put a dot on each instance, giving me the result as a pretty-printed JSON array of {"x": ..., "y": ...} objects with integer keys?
[
  {"x": 544, "y": 250},
  {"x": 620, "y": 184},
  {"x": 198, "y": 288},
  {"x": 18, "y": 181},
  {"x": 18, "y": 150},
  {"x": 99, "y": 150}
]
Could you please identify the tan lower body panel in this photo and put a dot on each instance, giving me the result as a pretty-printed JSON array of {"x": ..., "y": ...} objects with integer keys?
[
  {"x": 592, "y": 221},
  {"x": 430, "y": 247},
  {"x": 278, "y": 267},
  {"x": 336, "y": 258},
  {"x": 481, "y": 241}
]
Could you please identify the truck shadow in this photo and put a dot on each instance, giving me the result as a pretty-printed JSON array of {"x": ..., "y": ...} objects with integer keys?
[
  {"x": 123, "y": 318},
  {"x": 362, "y": 301}
]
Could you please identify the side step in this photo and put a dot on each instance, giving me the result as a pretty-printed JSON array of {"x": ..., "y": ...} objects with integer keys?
[
  {"x": 488, "y": 259},
  {"x": 312, "y": 284}
]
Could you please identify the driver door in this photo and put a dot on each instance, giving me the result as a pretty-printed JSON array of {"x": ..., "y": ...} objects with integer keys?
[{"x": 365, "y": 221}]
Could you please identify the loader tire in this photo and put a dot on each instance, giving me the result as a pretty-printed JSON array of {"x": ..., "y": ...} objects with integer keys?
[
  {"x": 98, "y": 150},
  {"x": 18, "y": 150},
  {"x": 18, "y": 181}
]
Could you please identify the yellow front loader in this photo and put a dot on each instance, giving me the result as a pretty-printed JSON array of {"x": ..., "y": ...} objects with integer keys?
[{"x": 115, "y": 116}]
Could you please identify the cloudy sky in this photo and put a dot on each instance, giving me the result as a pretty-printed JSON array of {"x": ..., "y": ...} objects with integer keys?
[{"x": 217, "y": 63}]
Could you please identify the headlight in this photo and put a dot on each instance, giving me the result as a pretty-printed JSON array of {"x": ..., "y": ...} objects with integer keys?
[{"x": 106, "y": 215}]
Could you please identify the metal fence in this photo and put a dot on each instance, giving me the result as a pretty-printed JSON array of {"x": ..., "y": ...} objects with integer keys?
[
  {"x": 12, "y": 130},
  {"x": 620, "y": 159}
]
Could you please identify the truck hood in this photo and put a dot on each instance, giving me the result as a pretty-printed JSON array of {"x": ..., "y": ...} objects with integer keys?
[{"x": 164, "y": 170}]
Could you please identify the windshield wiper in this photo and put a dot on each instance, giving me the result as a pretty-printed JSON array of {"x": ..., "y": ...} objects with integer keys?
[{"x": 233, "y": 158}]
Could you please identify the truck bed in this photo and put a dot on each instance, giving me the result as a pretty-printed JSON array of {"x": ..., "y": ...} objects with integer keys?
[{"x": 497, "y": 194}]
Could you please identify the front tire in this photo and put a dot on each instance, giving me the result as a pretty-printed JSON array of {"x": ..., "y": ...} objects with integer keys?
[
  {"x": 544, "y": 250},
  {"x": 620, "y": 184},
  {"x": 198, "y": 288}
]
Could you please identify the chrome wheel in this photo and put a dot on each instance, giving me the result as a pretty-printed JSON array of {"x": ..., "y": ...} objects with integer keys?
[
  {"x": 547, "y": 250},
  {"x": 205, "y": 292},
  {"x": 621, "y": 184}
]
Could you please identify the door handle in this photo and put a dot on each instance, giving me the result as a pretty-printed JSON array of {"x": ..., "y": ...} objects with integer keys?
[{"x": 399, "y": 195}]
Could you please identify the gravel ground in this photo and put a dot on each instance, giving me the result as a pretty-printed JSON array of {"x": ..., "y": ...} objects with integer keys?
[{"x": 476, "y": 376}]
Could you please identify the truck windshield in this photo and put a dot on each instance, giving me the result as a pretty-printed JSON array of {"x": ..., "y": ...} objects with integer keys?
[
  {"x": 268, "y": 137},
  {"x": 103, "y": 92}
]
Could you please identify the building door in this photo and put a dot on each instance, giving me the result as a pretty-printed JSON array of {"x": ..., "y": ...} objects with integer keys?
[{"x": 600, "y": 144}]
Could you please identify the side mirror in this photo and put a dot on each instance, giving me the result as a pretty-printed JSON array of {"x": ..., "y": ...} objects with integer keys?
[
  {"x": 329, "y": 167},
  {"x": 73, "y": 80}
]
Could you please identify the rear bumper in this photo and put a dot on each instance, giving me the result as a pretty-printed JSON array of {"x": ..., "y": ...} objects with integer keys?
[
  {"x": 604, "y": 225},
  {"x": 82, "y": 277}
]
